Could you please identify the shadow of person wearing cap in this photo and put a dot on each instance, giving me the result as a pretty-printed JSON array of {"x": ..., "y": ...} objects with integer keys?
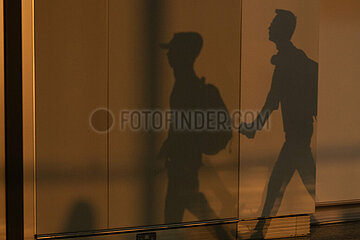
[
  {"x": 294, "y": 87},
  {"x": 182, "y": 150}
]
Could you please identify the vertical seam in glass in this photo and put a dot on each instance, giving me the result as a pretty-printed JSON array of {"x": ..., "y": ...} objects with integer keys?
[
  {"x": 108, "y": 107},
  {"x": 34, "y": 113},
  {"x": 240, "y": 77}
]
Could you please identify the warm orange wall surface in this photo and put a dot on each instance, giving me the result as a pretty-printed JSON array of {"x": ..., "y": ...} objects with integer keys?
[
  {"x": 96, "y": 53},
  {"x": 339, "y": 83},
  {"x": 74, "y": 74}
]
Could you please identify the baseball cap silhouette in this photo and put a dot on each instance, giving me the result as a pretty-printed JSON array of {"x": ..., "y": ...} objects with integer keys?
[{"x": 188, "y": 43}]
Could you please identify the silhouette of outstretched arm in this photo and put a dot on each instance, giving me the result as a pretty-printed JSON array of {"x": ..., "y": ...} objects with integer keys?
[{"x": 272, "y": 103}]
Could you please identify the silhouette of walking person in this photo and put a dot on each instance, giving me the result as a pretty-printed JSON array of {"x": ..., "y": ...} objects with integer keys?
[
  {"x": 294, "y": 87},
  {"x": 183, "y": 148}
]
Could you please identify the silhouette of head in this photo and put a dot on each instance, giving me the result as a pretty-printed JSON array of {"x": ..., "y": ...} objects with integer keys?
[
  {"x": 183, "y": 49},
  {"x": 283, "y": 26}
]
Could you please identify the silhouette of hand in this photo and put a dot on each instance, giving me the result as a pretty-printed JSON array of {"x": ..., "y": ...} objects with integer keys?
[{"x": 247, "y": 129}]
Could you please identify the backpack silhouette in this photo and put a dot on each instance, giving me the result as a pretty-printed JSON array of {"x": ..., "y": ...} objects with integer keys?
[{"x": 214, "y": 140}]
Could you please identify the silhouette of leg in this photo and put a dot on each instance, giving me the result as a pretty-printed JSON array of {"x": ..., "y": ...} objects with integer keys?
[
  {"x": 197, "y": 204},
  {"x": 228, "y": 201},
  {"x": 200, "y": 208},
  {"x": 307, "y": 170},
  {"x": 182, "y": 191},
  {"x": 174, "y": 208},
  {"x": 174, "y": 204},
  {"x": 280, "y": 177}
]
